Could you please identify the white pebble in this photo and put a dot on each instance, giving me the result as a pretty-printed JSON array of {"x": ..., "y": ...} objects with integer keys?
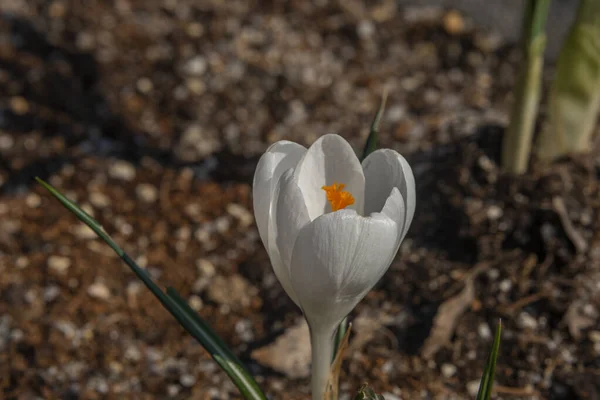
[
  {"x": 448, "y": 370},
  {"x": 99, "y": 199},
  {"x": 241, "y": 213},
  {"x": 494, "y": 213},
  {"x": 122, "y": 170},
  {"x": 195, "y": 66},
  {"x": 187, "y": 380},
  {"x": 484, "y": 331},
  {"x": 473, "y": 388},
  {"x": 146, "y": 192},
  {"x": 59, "y": 264},
  {"x": 99, "y": 290},
  {"x": 526, "y": 321}
]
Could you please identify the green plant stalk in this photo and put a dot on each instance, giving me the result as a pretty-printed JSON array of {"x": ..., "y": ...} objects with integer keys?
[
  {"x": 176, "y": 305},
  {"x": 516, "y": 148},
  {"x": 487, "y": 379},
  {"x": 575, "y": 91}
]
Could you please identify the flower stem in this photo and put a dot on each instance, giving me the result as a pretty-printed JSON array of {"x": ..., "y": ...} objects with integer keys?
[{"x": 321, "y": 342}]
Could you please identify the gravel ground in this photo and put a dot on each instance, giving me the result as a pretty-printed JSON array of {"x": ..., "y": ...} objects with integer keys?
[{"x": 152, "y": 115}]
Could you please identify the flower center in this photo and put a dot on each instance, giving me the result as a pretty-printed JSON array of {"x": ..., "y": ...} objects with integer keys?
[{"x": 338, "y": 197}]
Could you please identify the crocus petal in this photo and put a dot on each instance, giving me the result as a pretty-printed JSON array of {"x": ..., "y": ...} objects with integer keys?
[
  {"x": 329, "y": 160},
  {"x": 395, "y": 209},
  {"x": 279, "y": 157},
  {"x": 291, "y": 215},
  {"x": 385, "y": 169},
  {"x": 337, "y": 259}
]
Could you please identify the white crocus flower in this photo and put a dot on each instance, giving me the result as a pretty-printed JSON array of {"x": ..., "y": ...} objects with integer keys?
[{"x": 331, "y": 227}]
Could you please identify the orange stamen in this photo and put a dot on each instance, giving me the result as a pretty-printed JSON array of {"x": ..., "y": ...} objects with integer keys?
[{"x": 338, "y": 197}]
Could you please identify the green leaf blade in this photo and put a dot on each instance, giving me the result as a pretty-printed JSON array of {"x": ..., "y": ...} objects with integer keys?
[
  {"x": 371, "y": 144},
  {"x": 487, "y": 379}
]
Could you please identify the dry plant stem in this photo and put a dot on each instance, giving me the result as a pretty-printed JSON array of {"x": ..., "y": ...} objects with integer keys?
[
  {"x": 517, "y": 139},
  {"x": 575, "y": 91},
  {"x": 322, "y": 343}
]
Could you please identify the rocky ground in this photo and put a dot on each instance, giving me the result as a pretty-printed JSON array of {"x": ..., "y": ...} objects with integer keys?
[{"x": 152, "y": 115}]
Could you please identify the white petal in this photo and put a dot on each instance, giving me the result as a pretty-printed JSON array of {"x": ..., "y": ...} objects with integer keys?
[
  {"x": 290, "y": 217},
  {"x": 384, "y": 170},
  {"x": 282, "y": 272},
  {"x": 337, "y": 259},
  {"x": 395, "y": 209},
  {"x": 278, "y": 158},
  {"x": 329, "y": 160}
]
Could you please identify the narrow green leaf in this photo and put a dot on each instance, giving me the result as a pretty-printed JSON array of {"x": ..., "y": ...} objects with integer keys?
[
  {"x": 249, "y": 389},
  {"x": 487, "y": 380},
  {"x": 82, "y": 215},
  {"x": 339, "y": 336},
  {"x": 177, "y": 306},
  {"x": 371, "y": 144},
  {"x": 207, "y": 336}
]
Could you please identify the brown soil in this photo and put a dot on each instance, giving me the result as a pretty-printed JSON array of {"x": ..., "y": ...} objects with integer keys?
[{"x": 153, "y": 114}]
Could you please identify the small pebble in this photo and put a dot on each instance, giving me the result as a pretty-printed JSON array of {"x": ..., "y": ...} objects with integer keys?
[
  {"x": 205, "y": 268},
  {"x": 82, "y": 231},
  {"x": 33, "y": 200},
  {"x": 133, "y": 354},
  {"x": 241, "y": 213},
  {"x": 505, "y": 285},
  {"x": 448, "y": 370},
  {"x": 59, "y": 264},
  {"x": 484, "y": 331},
  {"x": 122, "y": 170},
  {"x": 494, "y": 213},
  {"x": 187, "y": 380},
  {"x": 6, "y": 142},
  {"x": 19, "y": 105},
  {"x": 196, "y": 66},
  {"x": 473, "y": 387},
  {"x": 196, "y": 302},
  {"x": 99, "y": 290},
  {"x": 144, "y": 85},
  {"x": 99, "y": 199},
  {"x": 526, "y": 321},
  {"x": 222, "y": 224},
  {"x": 146, "y": 192},
  {"x": 454, "y": 23},
  {"x": 173, "y": 390},
  {"x": 594, "y": 336},
  {"x": 51, "y": 293}
]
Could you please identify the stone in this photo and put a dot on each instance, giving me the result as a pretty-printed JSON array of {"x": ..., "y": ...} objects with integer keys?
[
  {"x": 99, "y": 290},
  {"x": 195, "y": 66},
  {"x": 122, "y": 170},
  {"x": 240, "y": 213},
  {"x": 59, "y": 264},
  {"x": 146, "y": 192},
  {"x": 289, "y": 354}
]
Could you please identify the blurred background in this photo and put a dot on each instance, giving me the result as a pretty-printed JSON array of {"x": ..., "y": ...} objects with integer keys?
[{"x": 152, "y": 115}]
